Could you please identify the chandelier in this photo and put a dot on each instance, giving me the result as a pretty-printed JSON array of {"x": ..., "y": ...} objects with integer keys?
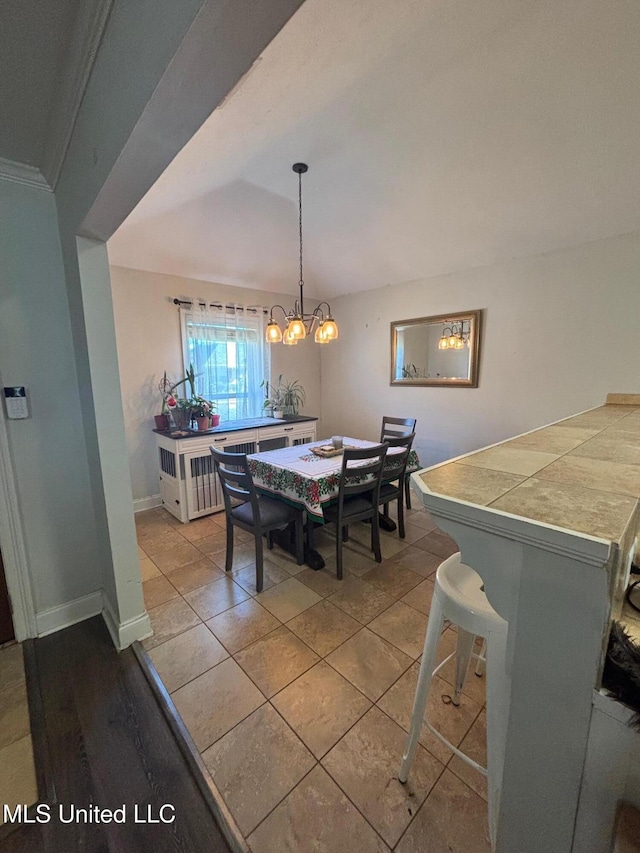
[
  {"x": 298, "y": 323},
  {"x": 457, "y": 337}
]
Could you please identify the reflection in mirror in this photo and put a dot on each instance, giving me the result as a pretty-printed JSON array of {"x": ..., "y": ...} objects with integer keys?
[{"x": 440, "y": 350}]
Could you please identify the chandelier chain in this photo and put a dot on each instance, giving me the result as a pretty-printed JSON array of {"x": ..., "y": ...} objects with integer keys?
[
  {"x": 300, "y": 219},
  {"x": 299, "y": 323}
]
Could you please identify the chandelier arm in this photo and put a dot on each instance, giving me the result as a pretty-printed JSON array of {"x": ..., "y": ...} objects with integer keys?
[{"x": 286, "y": 316}]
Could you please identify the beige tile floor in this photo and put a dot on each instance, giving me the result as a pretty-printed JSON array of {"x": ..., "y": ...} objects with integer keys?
[
  {"x": 17, "y": 771},
  {"x": 299, "y": 698}
]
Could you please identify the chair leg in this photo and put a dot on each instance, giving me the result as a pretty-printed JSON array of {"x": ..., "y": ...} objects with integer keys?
[
  {"x": 375, "y": 536},
  {"x": 497, "y": 704},
  {"x": 407, "y": 491},
  {"x": 401, "y": 533},
  {"x": 270, "y": 540},
  {"x": 480, "y": 664},
  {"x": 259, "y": 562},
  {"x": 434, "y": 628},
  {"x": 300, "y": 538},
  {"x": 345, "y": 534},
  {"x": 464, "y": 647},
  {"x": 228, "y": 563},
  {"x": 338, "y": 555}
]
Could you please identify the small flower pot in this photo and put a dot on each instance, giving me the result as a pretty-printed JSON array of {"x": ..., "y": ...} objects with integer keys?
[
  {"x": 162, "y": 421},
  {"x": 203, "y": 423},
  {"x": 215, "y": 420}
]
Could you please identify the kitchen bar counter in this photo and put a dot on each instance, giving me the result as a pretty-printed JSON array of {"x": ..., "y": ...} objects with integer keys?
[
  {"x": 549, "y": 520},
  {"x": 581, "y": 474}
]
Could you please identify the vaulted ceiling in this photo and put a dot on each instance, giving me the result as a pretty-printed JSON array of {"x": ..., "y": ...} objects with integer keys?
[
  {"x": 34, "y": 39},
  {"x": 440, "y": 135},
  {"x": 47, "y": 50}
]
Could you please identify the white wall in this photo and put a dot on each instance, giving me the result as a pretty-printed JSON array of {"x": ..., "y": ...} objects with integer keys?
[
  {"x": 559, "y": 332},
  {"x": 66, "y": 457},
  {"x": 48, "y": 449},
  {"x": 148, "y": 340}
]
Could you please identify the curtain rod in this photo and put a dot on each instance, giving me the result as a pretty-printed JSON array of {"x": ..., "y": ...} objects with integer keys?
[{"x": 188, "y": 302}]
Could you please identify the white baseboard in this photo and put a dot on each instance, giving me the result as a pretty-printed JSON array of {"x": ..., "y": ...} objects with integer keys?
[
  {"x": 125, "y": 633},
  {"x": 147, "y": 503},
  {"x": 64, "y": 615}
]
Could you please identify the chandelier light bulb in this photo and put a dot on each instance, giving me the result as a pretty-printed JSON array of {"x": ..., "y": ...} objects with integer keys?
[
  {"x": 273, "y": 334},
  {"x": 320, "y": 336},
  {"x": 330, "y": 329},
  {"x": 459, "y": 343},
  {"x": 288, "y": 339},
  {"x": 297, "y": 329},
  {"x": 443, "y": 343}
]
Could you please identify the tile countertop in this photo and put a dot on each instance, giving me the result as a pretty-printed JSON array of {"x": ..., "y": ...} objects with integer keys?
[{"x": 581, "y": 474}]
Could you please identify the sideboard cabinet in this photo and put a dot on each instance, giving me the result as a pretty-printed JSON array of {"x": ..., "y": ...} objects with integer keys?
[{"x": 188, "y": 486}]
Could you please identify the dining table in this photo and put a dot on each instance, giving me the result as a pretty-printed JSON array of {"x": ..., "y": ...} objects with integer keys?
[{"x": 301, "y": 478}]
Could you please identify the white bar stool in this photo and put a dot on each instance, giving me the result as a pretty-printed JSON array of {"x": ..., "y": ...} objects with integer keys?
[{"x": 459, "y": 597}]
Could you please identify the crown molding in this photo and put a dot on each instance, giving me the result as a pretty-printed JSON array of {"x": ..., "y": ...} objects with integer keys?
[
  {"x": 20, "y": 173},
  {"x": 74, "y": 75}
]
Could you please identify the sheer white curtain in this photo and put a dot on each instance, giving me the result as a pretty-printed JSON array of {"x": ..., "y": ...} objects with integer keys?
[{"x": 227, "y": 348}]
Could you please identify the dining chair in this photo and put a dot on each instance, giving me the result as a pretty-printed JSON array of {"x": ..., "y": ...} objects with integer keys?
[
  {"x": 394, "y": 477},
  {"x": 246, "y": 509},
  {"x": 398, "y": 428},
  {"x": 358, "y": 496}
]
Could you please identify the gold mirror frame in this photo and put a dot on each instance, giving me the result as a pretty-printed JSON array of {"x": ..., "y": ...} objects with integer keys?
[{"x": 461, "y": 320}]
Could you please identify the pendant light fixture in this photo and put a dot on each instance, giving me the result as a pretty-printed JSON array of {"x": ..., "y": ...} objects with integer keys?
[{"x": 298, "y": 323}]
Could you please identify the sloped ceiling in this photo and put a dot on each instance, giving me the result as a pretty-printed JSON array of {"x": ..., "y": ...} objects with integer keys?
[
  {"x": 440, "y": 135},
  {"x": 35, "y": 36}
]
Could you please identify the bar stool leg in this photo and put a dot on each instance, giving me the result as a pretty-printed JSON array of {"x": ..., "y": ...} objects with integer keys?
[
  {"x": 497, "y": 715},
  {"x": 434, "y": 629},
  {"x": 480, "y": 663},
  {"x": 464, "y": 647}
]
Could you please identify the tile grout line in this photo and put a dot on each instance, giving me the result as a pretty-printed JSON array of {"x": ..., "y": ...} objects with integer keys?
[{"x": 268, "y": 700}]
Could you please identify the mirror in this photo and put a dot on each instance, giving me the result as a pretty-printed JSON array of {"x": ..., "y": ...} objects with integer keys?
[{"x": 440, "y": 350}]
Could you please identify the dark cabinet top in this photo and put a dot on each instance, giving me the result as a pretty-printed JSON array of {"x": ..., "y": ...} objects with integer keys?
[{"x": 234, "y": 426}]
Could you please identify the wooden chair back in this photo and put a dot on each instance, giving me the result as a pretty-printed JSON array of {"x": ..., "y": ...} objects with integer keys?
[
  {"x": 396, "y": 427},
  {"x": 364, "y": 476},
  {"x": 235, "y": 479}
]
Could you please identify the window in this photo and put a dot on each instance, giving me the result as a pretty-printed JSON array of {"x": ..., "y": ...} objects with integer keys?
[{"x": 227, "y": 348}]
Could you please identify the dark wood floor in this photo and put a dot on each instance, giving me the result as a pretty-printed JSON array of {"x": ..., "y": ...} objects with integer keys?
[{"x": 103, "y": 740}]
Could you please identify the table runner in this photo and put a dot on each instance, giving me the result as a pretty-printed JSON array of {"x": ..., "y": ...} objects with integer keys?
[{"x": 295, "y": 474}]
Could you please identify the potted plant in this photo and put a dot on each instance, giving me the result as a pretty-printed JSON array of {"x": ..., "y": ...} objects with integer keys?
[
  {"x": 203, "y": 412},
  {"x": 165, "y": 388},
  {"x": 293, "y": 395},
  {"x": 180, "y": 408},
  {"x": 273, "y": 398},
  {"x": 284, "y": 397}
]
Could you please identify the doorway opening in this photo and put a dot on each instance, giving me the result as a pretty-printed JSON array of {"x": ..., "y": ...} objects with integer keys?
[{"x": 7, "y": 632}]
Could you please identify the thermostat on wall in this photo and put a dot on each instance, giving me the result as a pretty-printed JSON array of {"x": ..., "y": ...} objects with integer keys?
[{"x": 15, "y": 400}]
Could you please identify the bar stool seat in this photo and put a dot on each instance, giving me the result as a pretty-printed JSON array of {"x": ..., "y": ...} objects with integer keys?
[{"x": 459, "y": 597}]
